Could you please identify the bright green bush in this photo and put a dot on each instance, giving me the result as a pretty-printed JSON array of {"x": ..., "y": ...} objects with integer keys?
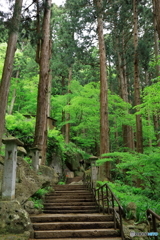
[
  {"x": 128, "y": 167},
  {"x": 127, "y": 194}
]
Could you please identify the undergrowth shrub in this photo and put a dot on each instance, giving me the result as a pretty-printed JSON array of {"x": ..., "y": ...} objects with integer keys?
[
  {"x": 37, "y": 197},
  {"x": 127, "y": 194},
  {"x": 128, "y": 168}
]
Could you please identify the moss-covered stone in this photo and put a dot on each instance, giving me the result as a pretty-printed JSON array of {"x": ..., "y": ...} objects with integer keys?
[
  {"x": 28, "y": 181},
  {"x": 14, "y": 219},
  {"x": 14, "y": 236}
]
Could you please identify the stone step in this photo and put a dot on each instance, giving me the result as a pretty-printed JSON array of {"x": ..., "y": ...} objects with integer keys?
[
  {"x": 75, "y": 179},
  {"x": 69, "y": 207},
  {"x": 73, "y": 203},
  {"x": 95, "y": 233},
  {"x": 100, "y": 238},
  {"x": 70, "y": 189},
  {"x": 73, "y": 187},
  {"x": 69, "y": 194},
  {"x": 70, "y": 211},
  {"x": 71, "y": 217},
  {"x": 79, "y": 196},
  {"x": 63, "y": 200},
  {"x": 72, "y": 225}
]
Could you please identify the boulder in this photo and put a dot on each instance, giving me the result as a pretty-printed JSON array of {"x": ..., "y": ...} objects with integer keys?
[
  {"x": 50, "y": 173},
  {"x": 29, "y": 207},
  {"x": 131, "y": 207},
  {"x": 28, "y": 181},
  {"x": 24, "y": 236},
  {"x": 14, "y": 218}
]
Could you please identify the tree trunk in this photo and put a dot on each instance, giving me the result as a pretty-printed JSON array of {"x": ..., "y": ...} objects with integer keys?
[
  {"x": 67, "y": 126},
  {"x": 10, "y": 108},
  {"x": 63, "y": 112},
  {"x": 157, "y": 15},
  {"x": 156, "y": 41},
  {"x": 139, "y": 138},
  {"x": 104, "y": 124},
  {"x": 8, "y": 64},
  {"x": 42, "y": 99},
  {"x": 38, "y": 50}
]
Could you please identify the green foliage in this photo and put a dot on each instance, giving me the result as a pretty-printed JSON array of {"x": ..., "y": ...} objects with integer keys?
[
  {"x": 21, "y": 127},
  {"x": 61, "y": 183},
  {"x": 37, "y": 198},
  {"x": 127, "y": 194},
  {"x": 128, "y": 167},
  {"x": 38, "y": 203},
  {"x": 3, "y": 47},
  {"x": 84, "y": 111},
  {"x": 28, "y": 160},
  {"x": 42, "y": 191},
  {"x": 151, "y": 99},
  {"x": 57, "y": 145}
]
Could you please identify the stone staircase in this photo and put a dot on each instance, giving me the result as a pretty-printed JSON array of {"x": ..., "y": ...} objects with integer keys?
[{"x": 71, "y": 213}]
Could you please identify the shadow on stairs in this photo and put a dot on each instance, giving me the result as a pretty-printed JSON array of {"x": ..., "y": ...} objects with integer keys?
[{"x": 71, "y": 213}]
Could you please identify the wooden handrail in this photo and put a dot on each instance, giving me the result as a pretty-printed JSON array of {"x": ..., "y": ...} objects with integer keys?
[
  {"x": 120, "y": 214},
  {"x": 115, "y": 198},
  {"x": 153, "y": 213},
  {"x": 99, "y": 195},
  {"x": 154, "y": 217}
]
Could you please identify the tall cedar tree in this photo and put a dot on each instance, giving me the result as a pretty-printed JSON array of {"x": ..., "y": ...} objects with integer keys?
[
  {"x": 104, "y": 123},
  {"x": 139, "y": 138},
  {"x": 8, "y": 64},
  {"x": 157, "y": 13},
  {"x": 40, "y": 139}
]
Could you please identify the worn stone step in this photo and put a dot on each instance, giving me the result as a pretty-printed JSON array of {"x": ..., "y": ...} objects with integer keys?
[
  {"x": 75, "y": 179},
  {"x": 73, "y": 203},
  {"x": 69, "y": 199},
  {"x": 72, "y": 191},
  {"x": 69, "y": 192},
  {"x": 70, "y": 195},
  {"x": 85, "y": 194},
  {"x": 71, "y": 217},
  {"x": 69, "y": 207},
  {"x": 100, "y": 238},
  {"x": 70, "y": 211},
  {"x": 89, "y": 196},
  {"x": 73, "y": 187},
  {"x": 95, "y": 233},
  {"x": 72, "y": 225},
  {"x": 63, "y": 200}
]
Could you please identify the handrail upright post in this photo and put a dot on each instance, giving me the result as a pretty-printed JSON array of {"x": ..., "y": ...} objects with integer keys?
[
  {"x": 98, "y": 200},
  {"x": 102, "y": 199},
  {"x": 107, "y": 195},
  {"x": 154, "y": 226},
  {"x": 113, "y": 211},
  {"x": 121, "y": 226}
]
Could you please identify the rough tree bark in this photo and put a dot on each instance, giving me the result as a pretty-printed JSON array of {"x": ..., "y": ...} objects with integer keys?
[
  {"x": 156, "y": 40},
  {"x": 139, "y": 138},
  {"x": 42, "y": 99},
  {"x": 67, "y": 126},
  {"x": 157, "y": 15},
  {"x": 104, "y": 124},
  {"x": 10, "y": 108},
  {"x": 8, "y": 64}
]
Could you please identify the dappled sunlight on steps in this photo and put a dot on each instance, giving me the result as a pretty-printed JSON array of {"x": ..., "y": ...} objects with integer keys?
[{"x": 70, "y": 212}]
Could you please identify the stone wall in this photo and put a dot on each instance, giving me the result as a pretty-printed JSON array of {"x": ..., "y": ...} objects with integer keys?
[
  {"x": 28, "y": 181},
  {"x": 14, "y": 218}
]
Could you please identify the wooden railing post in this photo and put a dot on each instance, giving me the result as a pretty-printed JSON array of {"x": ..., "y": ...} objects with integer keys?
[
  {"x": 154, "y": 223},
  {"x": 102, "y": 197},
  {"x": 107, "y": 196}
]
